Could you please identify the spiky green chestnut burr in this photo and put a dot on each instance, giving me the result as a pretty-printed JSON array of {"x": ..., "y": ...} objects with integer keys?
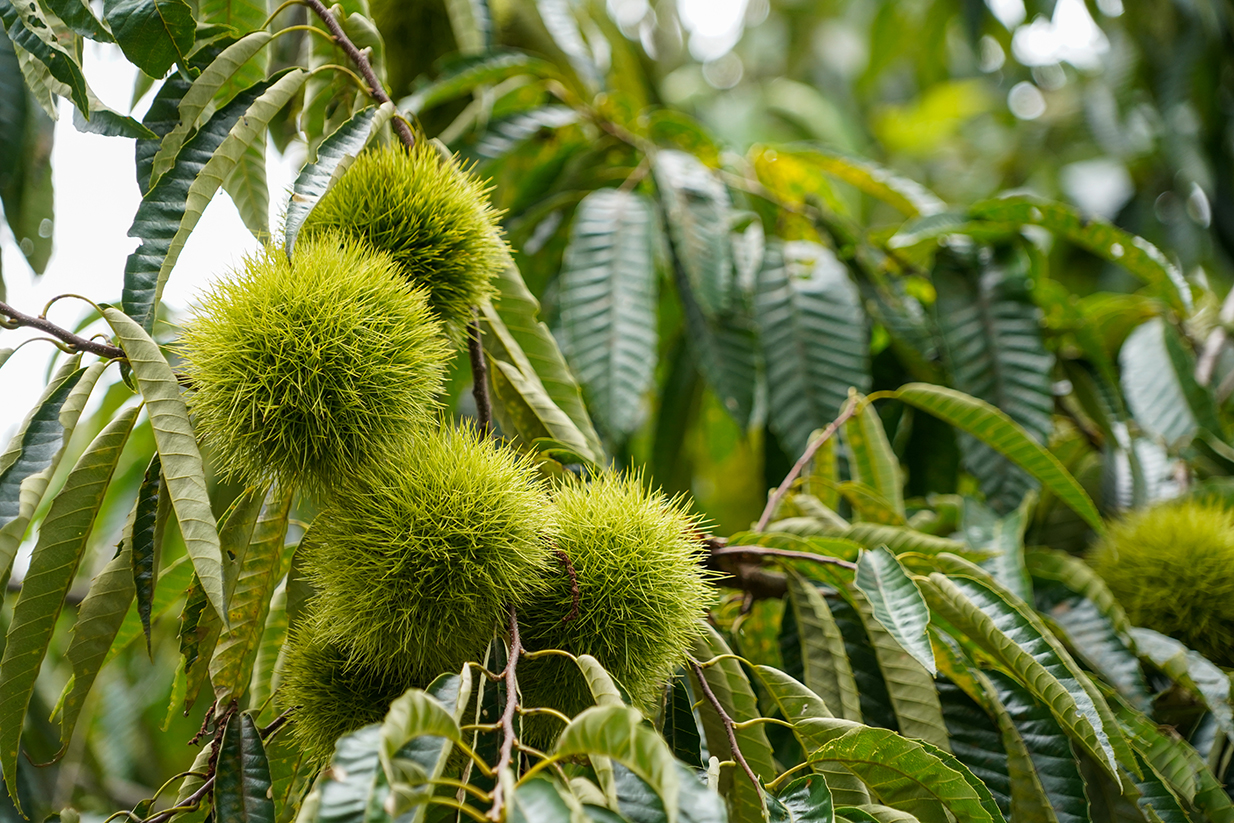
[
  {"x": 417, "y": 557},
  {"x": 641, "y": 596},
  {"x": 1171, "y": 567},
  {"x": 332, "y": 695},
  {"x": 301, "y": 370},
  {"x": 433, "y": 217}
]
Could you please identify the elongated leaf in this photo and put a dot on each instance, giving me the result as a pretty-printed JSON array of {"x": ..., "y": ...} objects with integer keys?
[
  {"x": 231, "y": 667},
  {"x": 183, "y": 472},
  {"x": 1093, "y": 621},
  {"x": 30, "y": 460},
  {"x": 1014, "y": 636},
  {"x": 871, "y": 460},
  {"x": 906, "y": 775},
  {"x": 334, "y": 156},
  {"x": 246, "y": 186},
  {"x": 696, "y": 208},
  {"x": 814, "y": 339},
  {"x": 26, "y": 26},
  {"x": 805, "y": 800},
  {"x": 175, "y": 580},
  {"x": 53, "y": 565},
  {"x": 1004, "y": 537},
  {"x": 172, "y": 207},
  {"x": 273, "y": 638},
  {"x": 153, "y": 34},
  {"x": 896, "y": 603},
  {"x": 910, "y": 687},
  {"x": 1000, "y": 432},
  {"x": 801, "y": 707},
  {"x": 900, "y": 539},
  {"x": 472, "y": 25},
  {"x": 462, "y": 76},
  {"x": 239, "y": 15},
  {"x": 607, "y": 301},
  {"x": 99, "y": 618},
  {"x": 354, "y": 786},
  {"x": 141, "y": 543},
  {"x": 976, "y": 742},
  {"x": 825, "y": 663},
  {"x": 1157, "y": 800},
  {"x": 242, "y": 777},
  {"x": 992, "y": 336},
  {"x": 558, "y": 19},
  {"x": 680, "y": 727},
  {"x": 726, "y": 351},
  {"x": 1051, "y": 787},
  {"x": 539, "y": 801},
  {"x": 1137, "y": 255},
  {"x": 76, "y": 14},
  {"x": 417, "y": 738},
  {"x": 618, "y": 732},
  {"x": 731, "y": 687},
  {"x": 909, "y": 196},
  {"x": 161, "y": 118},
  {"x": 1191, "y": 669},
  {"x": 1162, "y": 393}
]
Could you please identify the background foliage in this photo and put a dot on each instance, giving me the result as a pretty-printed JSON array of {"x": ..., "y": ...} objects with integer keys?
[{"x": 720, "y": 244}]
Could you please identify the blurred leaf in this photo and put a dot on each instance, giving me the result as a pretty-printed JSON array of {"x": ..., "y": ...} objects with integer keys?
[
  {"x": 696, "y": 207},
  {"x": 909, "y": 196},
  {"x": 242, "y": 777},
  {"x": 29, "y": 31},
  {"x": 1192, "y": 670},
  {"x": 53, "y": 565},
  {"x": 334, "y": 156},
  {"x": 354, "y": 787},
  {"x": 141, "y": 544},
  {"x": 465, "y": 74},
  {"x": 558, "y": 19},
  {"x": 153, "y": 34},
  {"x": 1004, "y": 537},
  {"x": 246, "y": 186},
  {"x": 896, "y": 603},
  {"x": 26, "y": 186},
  {"x": 472, "y": 24},
  {"x": 183, "y": 472},
  {"x": 726, "y": 351},
  {"x": 1158, "y": 381},
  {"x": 538, "y": 801},
  {"x": 994, "y": 428},
  {"x": 417, "y": 739},
  {"x": 870, "y": 458},
  {"x": 607, "y": 301}
]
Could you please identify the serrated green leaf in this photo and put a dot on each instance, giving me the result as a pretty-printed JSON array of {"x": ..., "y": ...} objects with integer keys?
[
  {"x": 242, "y": 775},
  {"x": 161, "y": 118},
  {"x": 991, "y": 331},
  {"x": 170, "y": 210},
  {"x": 1004, "y": 537},
  {"x": 34, "y": 453},
  {"x": 183, "y": 472},
  {"x": 141, "y": 543},
  {"x": 976, "y": 741},
  {"x": 558, "y": 19},
  {"x": 1092, "y": 619},
  {"x": 231, "y": 666},
  {"x": 1137, "y": 255},
  {"x": 871, "y": 460},
  {"x": 76, "y": 14},
  {"x": 247, "y": 188},
  {"x": 900, "y": 539},
  {"x": 814, "y": 339},
  {"x": 29, "y": 31},
  {"x": 62, "y": 542},
  {"x": 696, "y": 208},
  {"x": 1191, "y": 669},
  {"x": 618, "y": 732},
  {"x": 726, "y": 351},
  {"x": 805, "y": 800},
  {"x": 607, "y": 300},
  {"x": 997, "y": 430},
  {"x": 334, "y": 156},
  {"x": 1157, "y": 800},
  {"x": 464, "y": 75},
  {"x": 896, "y": 603},
  {"x": 153, "y": 34},
  {"x": 1160, "y": 386},
  {"x": 1014, "y": 636},
  {"x": 825, "y": 663},
  {"x": 417, "y": 739}
]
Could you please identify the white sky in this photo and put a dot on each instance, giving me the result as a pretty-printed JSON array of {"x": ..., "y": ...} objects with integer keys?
[{"x": 96, "y": 197}]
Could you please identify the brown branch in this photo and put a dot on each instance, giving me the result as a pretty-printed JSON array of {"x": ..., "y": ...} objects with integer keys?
[
  {"x": 507, "y": 715},
  {"x": 479, "y": 374},
  {"x": 763, "y": 551},
  {"x": 850, "y": 408},
  {"x": 376, "y": 90},
  {"x": 729, "y": 728},
  {"x": 74, "y": 341},
  {"x": 191, "y": 802},
  {"x": 564, "y": 559}
]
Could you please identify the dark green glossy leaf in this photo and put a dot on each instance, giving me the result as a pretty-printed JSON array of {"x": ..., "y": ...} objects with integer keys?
[
  {"x": 161, "y": 118},
  {"x": 1004, "y": 538},
  {"x": 142, "y": 546},
  {"x": 1191, "y": 669},
  {"x": 242, "y": 777},
  {"x": 871, "y": 460},
  {"x": 805, "y": 800},
  {"x": 29, "y": 30},
  {"x": 825, "y": 664},
  {"x": 896, "y": 602},
  {"x": 538, "y": 801},
  {"x": 680, "y": 726},
  {"x": 696, "y": 208},
  {"x": 76, "y": 14},
  {"x": 153, "y": 34},
  {"x": 976, "y": 742}
]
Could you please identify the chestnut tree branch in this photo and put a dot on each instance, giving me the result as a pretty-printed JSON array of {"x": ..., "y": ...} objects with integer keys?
[
  {"x": 479, "y": 374},
  {"x": 764, "y": 551},
  {"x": 729, "y": 728},
  {"x": 76, "y": 342},
  {"x": 507, "y": 715}
]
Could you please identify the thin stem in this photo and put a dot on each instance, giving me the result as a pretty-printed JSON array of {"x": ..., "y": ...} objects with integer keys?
[
  {"x": 507, "y": 715},
  {"x": 77, "y": 342},
  {"x": 729, "y": 727},
  {"x": 376, "y": 90},
  {"x": 850, "y": 408},
  {"x": 763, "y": 551},
  {"x": 190, "y": 803},
  {"x": 564, "y": 559},
  {"x": 479, "y": 374}
]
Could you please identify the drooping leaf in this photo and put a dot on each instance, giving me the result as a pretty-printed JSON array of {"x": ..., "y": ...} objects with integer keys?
[
  {"x": 273, "y": 638},
  {"x": 896, "y": 603},
  {"x": 997, "y": 430},
  {"x": 726, "y": 351},
  {"x": 231, "y": 666},
  {"x": 825, "y": 663},
  {"x": 1160, "y": 386},
  {"x": 161, "y": 118},
  {"x": 246, "y": 185},
  {"x": 1157, "y": 800},
  {"x": 909, "y": 196},
  {"x": 34, "y": 453},
  {"x": 871, "y": 460},
  {"x": 466, "y": 74},
  {"x": 242, "y": 776},
  {"x": 170, "y": 210},
  {"x": 975, "y": 741},
  {"x": 334, "y": 156},
  {"x": 183, "y": 472},
  {"x": 472, "y": 25},
  {"x": 174, "y": 580},
  {"x": 417, "y": 738},
  {"x": 814, "y": 338},
  {"x": 1004, "y": 538},
  {"x": 29, "y": 30},
  {"x": 1083, "y": 606},
  {"x": 991, "y": 331},
  {"x": 153, "y": 34},
  {"x": 142, "y": 545},
  {"x": 696, "y": 207},
  {"x": 62, "y": 542},
  {"x": 680, "y": 728},
  {"x": 76, "y": 14},
  {"x": 1014, "y": 636},
  {"x": 1191, "y": 669},
  {"x": 355, "y": 786},
  {"x": 538, "y": 801},
  {"x": 607, "y": 300}
]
